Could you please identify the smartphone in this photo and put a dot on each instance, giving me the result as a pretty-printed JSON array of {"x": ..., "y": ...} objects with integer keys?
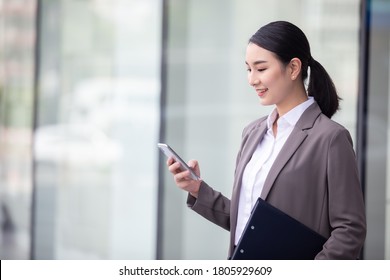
[{"x": 169, "y": 152}]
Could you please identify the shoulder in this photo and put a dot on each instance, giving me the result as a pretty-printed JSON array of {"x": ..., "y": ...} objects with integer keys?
[
  {"x": 330, "y": 129},
  {"x": 323, "y": 122},
  {"x": 314, "y": 120}
]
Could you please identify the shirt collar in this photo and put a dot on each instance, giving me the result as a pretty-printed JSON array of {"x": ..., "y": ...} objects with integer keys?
[{"x": 292, "y": 116}]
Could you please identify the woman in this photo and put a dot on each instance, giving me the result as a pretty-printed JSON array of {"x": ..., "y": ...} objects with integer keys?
[{"x": 296, "y": 158}]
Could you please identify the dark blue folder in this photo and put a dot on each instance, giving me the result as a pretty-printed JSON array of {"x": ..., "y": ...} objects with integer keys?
[{"x": 271, "y": 234}]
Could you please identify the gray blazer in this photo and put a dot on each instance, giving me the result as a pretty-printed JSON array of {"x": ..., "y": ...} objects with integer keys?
[{"x": 314, "y": 179}]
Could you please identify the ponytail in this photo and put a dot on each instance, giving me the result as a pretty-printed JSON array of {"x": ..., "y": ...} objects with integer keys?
[{"x": 322, "y": 88}]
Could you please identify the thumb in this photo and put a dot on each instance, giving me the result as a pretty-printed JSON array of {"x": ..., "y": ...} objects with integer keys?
[{"x": 194, "y": 165}]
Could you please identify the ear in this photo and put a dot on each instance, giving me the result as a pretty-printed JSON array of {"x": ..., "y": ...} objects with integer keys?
[{"x": 295, "y": 67}]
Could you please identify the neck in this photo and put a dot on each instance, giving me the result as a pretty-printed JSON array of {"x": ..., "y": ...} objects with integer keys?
[{"x": 296, "y": 97}]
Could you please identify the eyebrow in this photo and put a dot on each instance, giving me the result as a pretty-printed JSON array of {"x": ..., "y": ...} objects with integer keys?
[{"x": 257, "y": 62}]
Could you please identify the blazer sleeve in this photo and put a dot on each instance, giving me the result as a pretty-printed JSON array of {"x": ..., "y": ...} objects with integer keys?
[
  {"x": 212, "y": 205},
  {"x": 346, "y": 205}
]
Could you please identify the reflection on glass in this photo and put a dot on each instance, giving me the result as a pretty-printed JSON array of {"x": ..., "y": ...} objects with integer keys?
[
  {"x": 378, "y": 145},
  {"x": 95, "y": 142},
  {"x": 98, "y": 115},
  {"x": 17, "y": 20},
  {"x": 209, "y": 100}
]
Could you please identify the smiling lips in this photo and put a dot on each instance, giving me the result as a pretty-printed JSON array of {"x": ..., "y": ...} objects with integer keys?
[{"x": 261, "y": 91}]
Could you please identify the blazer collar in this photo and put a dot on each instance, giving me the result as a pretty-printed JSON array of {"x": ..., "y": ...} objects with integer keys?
[
  {"x": 298, "y": 135},
  {"x": 309, "y": 117}
]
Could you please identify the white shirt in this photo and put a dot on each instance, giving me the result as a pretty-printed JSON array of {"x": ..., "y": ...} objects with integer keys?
[{"x": 257, "y": 169}]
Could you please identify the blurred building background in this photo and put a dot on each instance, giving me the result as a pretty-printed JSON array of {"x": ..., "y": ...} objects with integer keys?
[{"x": 88, "y": 87}]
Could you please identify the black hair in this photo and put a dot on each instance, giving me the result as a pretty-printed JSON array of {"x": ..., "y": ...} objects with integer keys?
[{"x": 287, "y": 41}]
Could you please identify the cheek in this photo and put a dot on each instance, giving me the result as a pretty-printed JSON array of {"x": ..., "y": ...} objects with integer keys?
[{"x": 271, "y": 79}]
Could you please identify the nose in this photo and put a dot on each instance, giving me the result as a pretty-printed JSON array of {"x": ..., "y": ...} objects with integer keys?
[{"x": 252, "y": 79}]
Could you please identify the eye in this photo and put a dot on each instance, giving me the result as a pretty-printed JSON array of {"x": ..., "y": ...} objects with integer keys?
[
  {"x": 248, "y": 70},
  {"x": 262, "y": 69}
]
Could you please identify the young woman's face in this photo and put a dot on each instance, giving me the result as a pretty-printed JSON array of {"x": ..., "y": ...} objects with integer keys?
[{"x": 267, "y": 75}]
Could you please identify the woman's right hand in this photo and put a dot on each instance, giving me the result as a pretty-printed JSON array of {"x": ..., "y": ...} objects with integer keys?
[{"x": 182, "y": 178}]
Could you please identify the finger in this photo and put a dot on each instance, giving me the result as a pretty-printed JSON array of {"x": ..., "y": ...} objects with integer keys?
[
  {"x": 182, "y": 176},
  {"x": 170, "y": 161},
  {"x": 174, "y": 167}
]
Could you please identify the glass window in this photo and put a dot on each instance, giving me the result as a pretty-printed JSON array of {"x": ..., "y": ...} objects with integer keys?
[
  {"x": 378, "y": 155},
  {"x": 209, "y": 100},
  {"x": 96, "y": 185},
  {"x": 96, "y": 154},
  {"x": 17, "y": 38}
]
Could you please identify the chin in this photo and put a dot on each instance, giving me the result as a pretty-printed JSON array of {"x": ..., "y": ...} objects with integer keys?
[{"x": 266, "y": 102}]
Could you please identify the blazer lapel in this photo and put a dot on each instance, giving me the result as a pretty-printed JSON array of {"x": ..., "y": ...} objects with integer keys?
[
  {"x": 298, "y": 135},
  {"x": 248, "y": 149}
]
